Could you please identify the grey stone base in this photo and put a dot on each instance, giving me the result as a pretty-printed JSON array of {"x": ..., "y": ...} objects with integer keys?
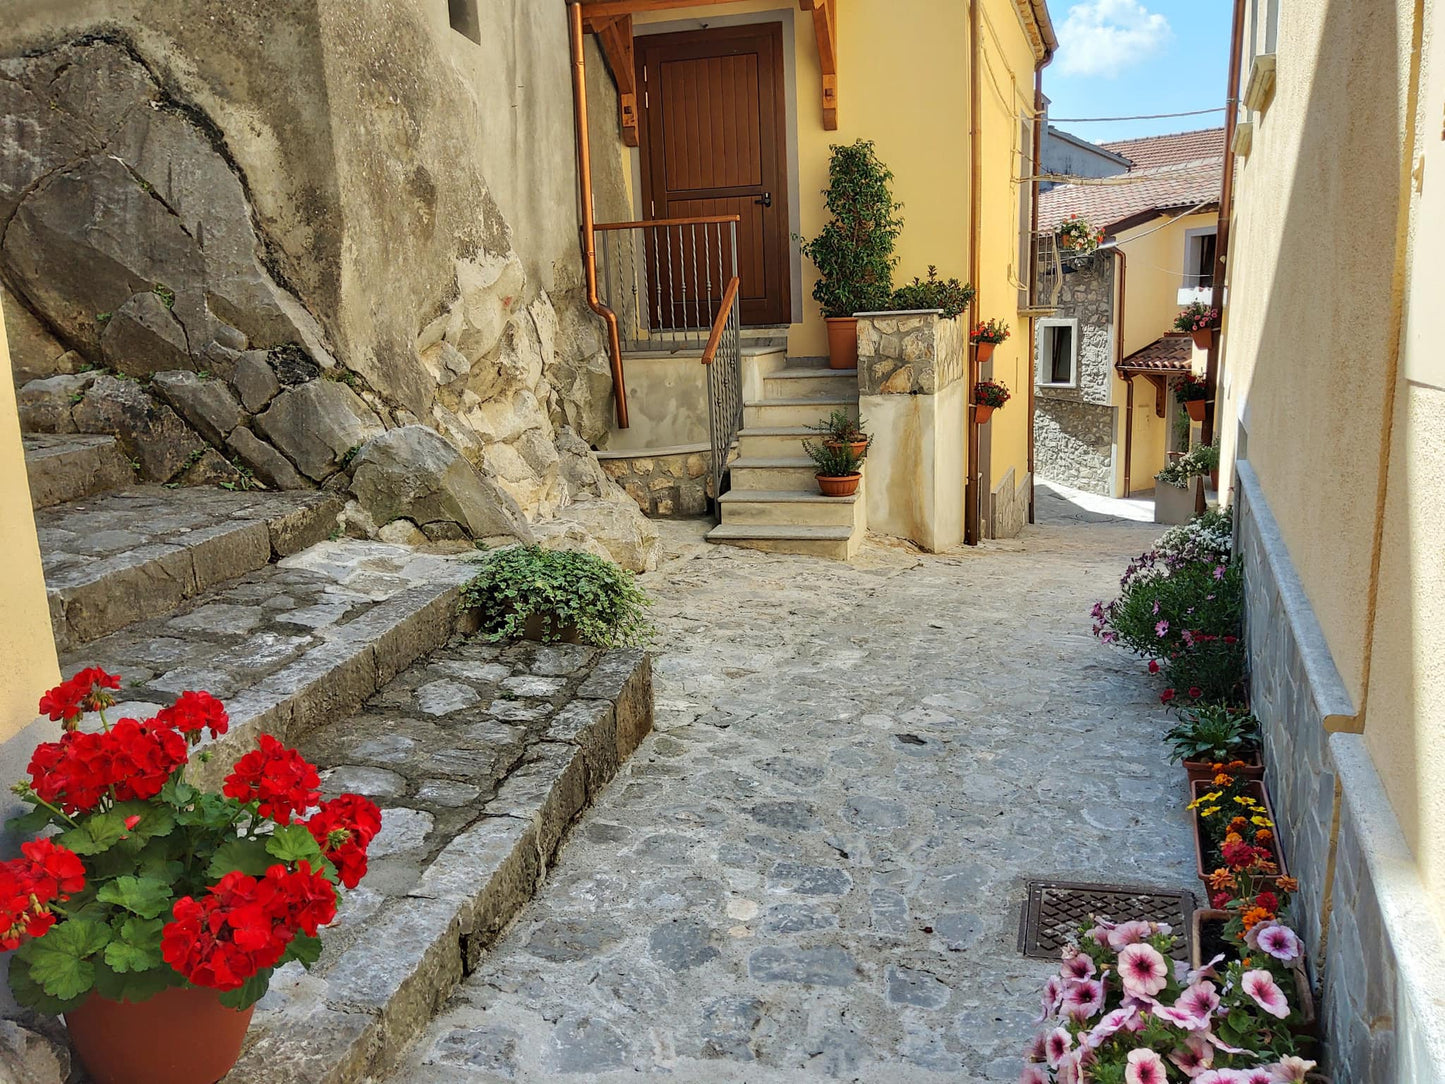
[
  {"x": 1008, "y": 508},
  {"x": 675, "y": 484},
  {"x": 1074, "y": 444}
]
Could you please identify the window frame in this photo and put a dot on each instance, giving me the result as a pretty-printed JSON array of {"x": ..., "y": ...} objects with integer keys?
[
  {"x": 1043, "y": 367},
  {"x": 1193, "y": 243}
]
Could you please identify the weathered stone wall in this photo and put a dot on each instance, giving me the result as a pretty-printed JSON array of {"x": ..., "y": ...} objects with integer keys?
[
  {"x": 293, "y": 192},
  {"x": 664, "y": 485},
  {"x": 1074, "y": 444},
  {"x": 909, "y": 353},
  {"x": 1008, "y": 507}
]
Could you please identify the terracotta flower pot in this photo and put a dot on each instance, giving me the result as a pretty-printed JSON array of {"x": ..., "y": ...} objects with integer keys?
[
  {"x": 983, "y": 351},
  {"x": 1304, "y": 997},
  {"x": 843, "y": 342},
  {"x": 1204, "y": 769},
  {"x": 982, "y": 413},
  {"x": 860, "y": 447},
  {"x": 1195, "y": 407},
  {"x": 1203, "y": 337},
  {"x": 1202, "y": 866},
  {"x": 183, "y": 1035},
  {"x": 838, "y": 486}
]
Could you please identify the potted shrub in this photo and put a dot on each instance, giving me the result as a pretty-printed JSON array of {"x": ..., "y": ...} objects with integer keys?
[
  {"x": 1233, "y": 822},
  {"x": 838, "y": 468},
  {"x": 1200, "y": 321},
  {"x": 1120, "y": 1010},
  {"x": 1209, "y": 736},
  {"x": 1191, "y": 391},
  {"x": 1076, "y": 235},
  {"x": 840, "y": 429},
  {"x": 1177, "y": 493},
  {"x": 950, "y": 296},
  {"x": 987, "y": 335},
  {"x": 153, "y": 918},
  {"x": 854, "y": 253},
  {"x": 556, "y": 596},
  {"x": 988, "y": 396}
]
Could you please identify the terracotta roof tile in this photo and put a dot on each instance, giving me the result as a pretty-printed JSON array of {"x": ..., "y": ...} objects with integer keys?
[
  {"x": 1168, "y": 150},
  {"x": 1171, "y": 354}
]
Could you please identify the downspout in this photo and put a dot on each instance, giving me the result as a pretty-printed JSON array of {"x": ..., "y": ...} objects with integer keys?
[
  {"x": 589, "y": 222},
  {"x": 1035, "y": 152},
  {"x": 1226, "y": 212},
  {"x": 971, "y": 526},
  {"x": 1128, "y": 432},
  {"x": 1119, "y": 363}
]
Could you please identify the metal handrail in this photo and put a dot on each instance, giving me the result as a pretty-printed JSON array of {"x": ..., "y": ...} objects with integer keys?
[
  {"x": 724, "y": 382},
  {"x": 719, "y": 325},
  {"x": 706, "y": 220}
]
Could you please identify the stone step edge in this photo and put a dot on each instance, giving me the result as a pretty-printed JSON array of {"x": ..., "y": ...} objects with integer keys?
[
  {"x": 84, "y": 468},
  {"x": 724, "y": 532},
  {"x": 171, "y": 574},
  {"x": 371, "y": 1014},
  {"x": 333, "y": 678},
  {"x": 782, "y": 496}
]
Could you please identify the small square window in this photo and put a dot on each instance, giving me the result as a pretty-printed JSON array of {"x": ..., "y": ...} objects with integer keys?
[
  {"x": 464, "y": 19},
  {"x": 1059, "y": 353}
]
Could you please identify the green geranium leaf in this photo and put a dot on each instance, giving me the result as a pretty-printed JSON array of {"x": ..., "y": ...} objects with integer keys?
[
  {"x": 144, "y": 896},
  {"x": 28, "y": 992},
  {"x": 178, "y": 793},
  {"x": 132, "y": 986},
  {"x": 27, "y": 824},
  {"x": 247, "y": 855},
  {"x": 303, "y": 948},
  {"x": 60, "y": 961},
  {"x": 96, "y": 834},
  {"x": 137, "y": 946},
  {"x": 294, "y": 843},
  {"x": 253, "y": 991},
  {"x": 155, "y": 820}
]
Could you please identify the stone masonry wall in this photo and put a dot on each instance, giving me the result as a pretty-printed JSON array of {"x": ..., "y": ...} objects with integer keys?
[
  {"x": 909, "y": 353},
  {"x": 664, "y": 485},
  {"x": 1074, "y": 444}
]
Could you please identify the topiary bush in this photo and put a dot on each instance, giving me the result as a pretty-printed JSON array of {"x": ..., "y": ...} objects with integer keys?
[
  {"x": 565, "y": 589},
  {"x": 950, "y": 295},
  {"x": 854, "y": 253}
]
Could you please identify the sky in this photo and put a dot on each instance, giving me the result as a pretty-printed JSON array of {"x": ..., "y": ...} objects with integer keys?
[{"x": 1128, "y": 57}]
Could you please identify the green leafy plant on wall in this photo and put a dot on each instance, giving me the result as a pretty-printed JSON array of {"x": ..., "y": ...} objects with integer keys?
[
  {"x": 854, "y": 253},
  {"x": 950, "y": 295}
]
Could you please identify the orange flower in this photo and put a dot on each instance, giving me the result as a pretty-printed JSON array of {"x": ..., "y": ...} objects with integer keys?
[
  {"x": 1223, "y": 780},
  {"x": 1221, "y": 879},
  {"x": 1233, "y": 837},
  {"x": 1236, "y": 765},
  {"x": 1254, "y": 916},
  {"x": 1286, "y": 884},
  {"x": 1238, "y": 825},
  {"x": 1264, "y": 837}
]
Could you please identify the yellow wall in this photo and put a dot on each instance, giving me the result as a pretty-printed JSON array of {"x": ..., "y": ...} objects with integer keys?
[
  {"x": 27, "y": 647},
  {"x": 1332, "y": 362}
]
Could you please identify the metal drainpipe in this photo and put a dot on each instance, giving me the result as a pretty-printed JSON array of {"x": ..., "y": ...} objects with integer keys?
[
  {"x": 1128, "y": 432},
  {"x": 589, "y": 222},
  {"x": 1035, "y": 152},
  {"x": 1119, "y": 360},
  {"x": 971, "y": 510}
]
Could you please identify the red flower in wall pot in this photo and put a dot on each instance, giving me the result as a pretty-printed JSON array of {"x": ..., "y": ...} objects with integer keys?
[{"x": 153, "y": 918}]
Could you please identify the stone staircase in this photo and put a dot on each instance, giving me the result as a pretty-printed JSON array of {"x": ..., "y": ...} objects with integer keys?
[
  {"x": 480, "y": 756},
  {"x": 774, "y": 504}
]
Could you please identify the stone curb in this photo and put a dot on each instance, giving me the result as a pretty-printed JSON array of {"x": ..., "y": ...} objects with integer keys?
[
  {"x": 152, "y": 580},
  {"x": 354, "y": 1018}
]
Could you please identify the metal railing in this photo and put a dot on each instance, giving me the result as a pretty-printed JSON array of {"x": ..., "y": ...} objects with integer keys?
[
  {"x": 665, "y": 279},
  {"x": 723, "y": 359}
]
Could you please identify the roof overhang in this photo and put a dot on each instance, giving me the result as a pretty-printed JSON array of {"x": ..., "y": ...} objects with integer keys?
[
  {"x": 1040, "y": 28},
  {"x": 1141, "y": 218}
]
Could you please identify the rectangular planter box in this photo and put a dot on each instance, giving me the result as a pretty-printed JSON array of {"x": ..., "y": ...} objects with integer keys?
[{"x": 1174, "y": 505}]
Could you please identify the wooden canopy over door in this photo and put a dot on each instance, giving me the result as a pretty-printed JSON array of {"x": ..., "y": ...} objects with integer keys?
[{"x": 713, "y": 143}]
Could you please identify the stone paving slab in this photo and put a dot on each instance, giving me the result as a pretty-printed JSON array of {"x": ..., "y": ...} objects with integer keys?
[
  {"x": 291, "y": 644},
  {"x": 814, "y": 867},
  {"x": 71, "y": 466},
  {"x": 119, "y": 558},
  {"x": 481, "y": 758}
]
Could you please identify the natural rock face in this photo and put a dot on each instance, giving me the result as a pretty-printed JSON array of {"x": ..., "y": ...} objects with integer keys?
[
  {"x": 149, "y": 433},
  {"x": 207, "y": 405},
  {"x": 31, "y": 1057},
  {"x": 45, "y": 404},
  {"x": 143, "y": 337},
  {"x": 317, "y": 424},
  {"x": 412, "y": 473},
  {"x": 614, "y": 522}
]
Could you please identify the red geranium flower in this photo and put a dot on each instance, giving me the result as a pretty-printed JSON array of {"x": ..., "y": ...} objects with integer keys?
[
  {"x": 280, "y": 779},
  {"x": 345, "y": 827},
  {"x": 88, "y": 690},
  {"x": 194, "y": 712},
  {"x": 1166, "y": 696},
  {"x": 28, "y": 885}
]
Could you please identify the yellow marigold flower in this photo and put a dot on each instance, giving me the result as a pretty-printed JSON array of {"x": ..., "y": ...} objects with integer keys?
[
  {"x": 1254, "y": 916},
  {"x": 1223, "y": 780},
  {"x": 1209, "y": 812},
  {"x": 1221, "y": 878},
  {"x": 1261, "y": 822}
]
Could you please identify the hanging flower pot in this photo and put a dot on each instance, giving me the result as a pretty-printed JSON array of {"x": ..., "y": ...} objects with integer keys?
[
  {"x": 987, "y": 335},
  {"x": 1203, "y": 337},
  {"x": 984, "y": 351},
  {"x": 182, "y": 1035},
  {"x": 1195, "y": 407},
  {"x": 982, "y": 414},
  {"x": 988, "y": 396}
]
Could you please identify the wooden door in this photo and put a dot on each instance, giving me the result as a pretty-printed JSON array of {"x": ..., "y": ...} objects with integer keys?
[{"x": 713, "y": 144}]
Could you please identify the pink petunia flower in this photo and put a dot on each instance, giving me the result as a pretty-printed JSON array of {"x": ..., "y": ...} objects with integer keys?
[
  {"x": 1260, "y": 1074},
  {"x": 1143, "y": 970},
  {"x": 1277, "y": 940},
  {"x": 1109, "y": 1025},
  {"x": 1184, "y": 1021},
  {"x": 1034, "y": 1052},
  {"x": 1034, "y": 1074},
  {"x": 1206, "y": 971},
  {"x": 1260, "y": 985},
  {"x": 1057, "y": 1044},
  {"x": 1053, "y": 996},
  {"x": 1291, "y": 1070},
  {"x": 1199, "y": 1001},
  {"x": 1129, "y": 933},
  {"x": 1077, "y": 967},
  {"x": 1145, "y": 1067},
  {"x": 1083, "y": 999},
  {"x": 1219, "y": 572},
  {"x": 1221, "y": 1076},
  {"x": 1194, "y": 1057}
]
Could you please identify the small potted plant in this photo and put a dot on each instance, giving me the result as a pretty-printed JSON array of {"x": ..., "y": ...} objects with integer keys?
[
  {"x": 556, "y": 596},
  {"x": 1121, "y": 1010},
  {"x": 987, "y": 335},
  {"x": 1200, "y": 321},
  {"x": 1192, "y": 391},
  {"x": 988, "y": 396},
  {"x": 1209, "y": 736},
  {"x": 1076, "y": 235},
  {"x": 854, "y": 253},
  {"x": 154, "y": 916},
  {"x": 1176, "y": 495},
  {"x": 838, "y": 468},
  {"x": 1232, "y": 821},
  {"x": 949, "y": 296},
  {"x": 839, "y": 429}
]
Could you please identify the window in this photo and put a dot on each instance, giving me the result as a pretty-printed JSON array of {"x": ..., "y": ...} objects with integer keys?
[
  {"x": 464, "y": 19},
  {"x": 1199, "y": 259},
  {"x": 1059, "y": 353}
]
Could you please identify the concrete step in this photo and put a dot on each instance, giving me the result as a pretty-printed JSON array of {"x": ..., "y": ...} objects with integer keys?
[
  {"x": 481, "y": 759},
  {"x": 794, "y": 473},
  {"x": 800, "y": 382},
  {"x": 72, "y": 466},
  {"x": 797, "y": 410},
  {"x": 836, "y": 543},
  {"x": 791, "y": 509},
  {"x": 776, "y": 441},
  {"x": 126, "y": 556}
]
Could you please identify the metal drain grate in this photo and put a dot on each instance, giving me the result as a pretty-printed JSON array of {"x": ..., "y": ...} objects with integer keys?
[{"x": 1053, "y": 911}]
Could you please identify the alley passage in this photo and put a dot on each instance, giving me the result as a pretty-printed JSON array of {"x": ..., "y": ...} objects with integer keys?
[{"x": 814, "y": 867}]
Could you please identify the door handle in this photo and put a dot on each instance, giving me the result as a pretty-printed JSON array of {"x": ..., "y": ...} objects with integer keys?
[{"x": 766, "y": 201}]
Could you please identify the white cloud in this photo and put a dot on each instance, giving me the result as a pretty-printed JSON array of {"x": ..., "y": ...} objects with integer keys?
[{"x": 1102, "y": 37}]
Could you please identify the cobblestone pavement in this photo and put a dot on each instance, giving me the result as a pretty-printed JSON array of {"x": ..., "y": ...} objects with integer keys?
[{"x": 814, "y": 867}]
